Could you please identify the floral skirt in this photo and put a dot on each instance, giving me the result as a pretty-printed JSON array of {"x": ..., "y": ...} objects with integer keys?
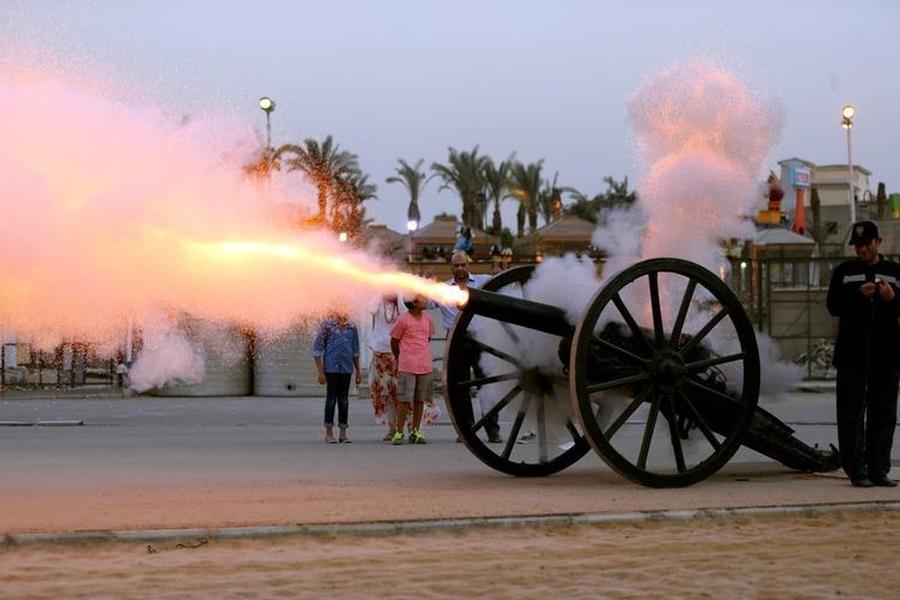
[{"x": 383, "y": 390}]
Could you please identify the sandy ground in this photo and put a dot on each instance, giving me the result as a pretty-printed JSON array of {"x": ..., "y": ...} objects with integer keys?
[
  {"x": 830, "y": 555},
  {"x": 154, "y": 464},
  {"x": 362, "y": 498}
]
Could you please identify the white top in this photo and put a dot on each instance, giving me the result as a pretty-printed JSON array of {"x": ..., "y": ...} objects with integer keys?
[
  {"x": 448, "y": 311},
  {"x": 383, "y": 318}
]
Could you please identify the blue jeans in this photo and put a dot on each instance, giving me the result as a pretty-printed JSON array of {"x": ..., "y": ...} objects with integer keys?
[{"x": 337, "y": 391}]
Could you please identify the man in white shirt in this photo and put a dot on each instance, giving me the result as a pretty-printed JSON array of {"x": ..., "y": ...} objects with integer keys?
[{"x": 464, "y": 280}]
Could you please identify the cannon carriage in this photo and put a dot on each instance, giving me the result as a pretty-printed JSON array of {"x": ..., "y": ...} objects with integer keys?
[{"x": 660, "y": 376}]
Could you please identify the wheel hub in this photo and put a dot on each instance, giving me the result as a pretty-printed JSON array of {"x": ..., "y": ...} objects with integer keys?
[
  {"x": 536, "y": 382},
  {"x": 666, "y": 370}
]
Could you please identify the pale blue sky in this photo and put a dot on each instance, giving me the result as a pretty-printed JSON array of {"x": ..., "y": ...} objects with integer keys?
[{"x": 547, "y": 79}]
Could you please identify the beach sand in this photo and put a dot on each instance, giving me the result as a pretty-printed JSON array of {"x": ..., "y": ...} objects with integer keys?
[{"x": 850, "y": 554}]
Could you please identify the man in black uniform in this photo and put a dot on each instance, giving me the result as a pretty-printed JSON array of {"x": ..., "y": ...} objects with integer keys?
[{"x": 865, "y": 296}]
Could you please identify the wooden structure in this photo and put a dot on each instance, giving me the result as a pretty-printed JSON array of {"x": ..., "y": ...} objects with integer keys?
[
  {"x": 568, "y": 233},
  {"x": 385, "y": 241},
  {"x": 436, "y": 240}
]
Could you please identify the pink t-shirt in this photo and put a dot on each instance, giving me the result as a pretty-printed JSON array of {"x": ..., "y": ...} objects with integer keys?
[{"x": 413, "y": 335}]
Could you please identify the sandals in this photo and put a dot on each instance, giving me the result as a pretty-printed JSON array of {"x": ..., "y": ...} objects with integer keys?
[
  {"x": 331, "y": 441},
  {"x": 345, "y": 441}
]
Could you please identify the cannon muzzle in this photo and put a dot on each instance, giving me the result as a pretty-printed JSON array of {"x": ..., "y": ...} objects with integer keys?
[{"x": 518, "y": 311}]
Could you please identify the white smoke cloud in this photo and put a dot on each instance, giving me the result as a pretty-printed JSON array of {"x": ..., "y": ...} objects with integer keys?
[{"x": 703, "y": 136}]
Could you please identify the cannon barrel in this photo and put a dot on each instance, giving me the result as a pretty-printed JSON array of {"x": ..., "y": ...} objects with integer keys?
[{"x": 517, "y": 311}]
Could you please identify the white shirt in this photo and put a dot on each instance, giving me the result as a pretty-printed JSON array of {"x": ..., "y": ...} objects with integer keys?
[
  {"x": 383, "y": 318},
  {"x": 448, "y": 311}
]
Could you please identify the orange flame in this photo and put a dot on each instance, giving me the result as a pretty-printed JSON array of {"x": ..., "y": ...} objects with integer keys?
[
  {"x": 339, "y": 265},
  {"x": 463, "y": 299}
]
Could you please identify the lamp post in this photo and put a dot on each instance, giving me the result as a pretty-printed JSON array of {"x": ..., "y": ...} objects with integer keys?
[
  {"x": 268, "y": 105},
  {"x": 847, "y": 115},
  {"x": 413, "y": 217}
]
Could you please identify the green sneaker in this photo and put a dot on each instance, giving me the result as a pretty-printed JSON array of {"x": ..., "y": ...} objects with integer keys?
[
  {"x": 416, "y": 437},
  {"x": 398, "y": 439}
]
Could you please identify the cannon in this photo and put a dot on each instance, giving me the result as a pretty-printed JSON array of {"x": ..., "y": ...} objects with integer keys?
[{"x": 660, "y": 377}]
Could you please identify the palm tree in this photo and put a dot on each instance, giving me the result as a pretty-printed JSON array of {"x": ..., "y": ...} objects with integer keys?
[
  {"x": 550, "y": 200},
  {"x": 616, "y": 195},
  {"x": 496, "y": 184},
  {"x": 262, "y": 167},
  {"x": 414, "y": 180},
  {"x": 582, "y": 205},
  {"x": 348, "y": 212},
  {"x": 525, "y": 186},
  {"x": 463, "y": 172},
  {"x": 323, "y": 164}
]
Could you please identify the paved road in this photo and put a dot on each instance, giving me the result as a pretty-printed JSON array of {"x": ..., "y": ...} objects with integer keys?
[{"x": 175, "y": 462}]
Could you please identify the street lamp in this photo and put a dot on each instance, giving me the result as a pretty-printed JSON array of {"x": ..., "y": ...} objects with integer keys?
[
  {"x": 847, "y": 114},
  {"x": 413, "y": 217},
  {"x": 267, "y": 105}
]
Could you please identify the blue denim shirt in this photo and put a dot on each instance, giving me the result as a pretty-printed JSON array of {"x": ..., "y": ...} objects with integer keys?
[{"x": 336, "y": 345}]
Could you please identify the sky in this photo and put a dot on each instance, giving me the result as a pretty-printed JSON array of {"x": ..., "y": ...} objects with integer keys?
[{"x": 549, "y": 80}]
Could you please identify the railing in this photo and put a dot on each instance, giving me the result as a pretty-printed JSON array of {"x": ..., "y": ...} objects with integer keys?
[
  {"x": 785, "y": 298},
  {"x": 70, "y": 365}
]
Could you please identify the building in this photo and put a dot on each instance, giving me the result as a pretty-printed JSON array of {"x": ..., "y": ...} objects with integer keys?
[
  {"x": 568, "y": 233},
  {"x": 800, "y": 178},
  {"x": 385, "y": 242},
  {"x": 436, "y": 240}
]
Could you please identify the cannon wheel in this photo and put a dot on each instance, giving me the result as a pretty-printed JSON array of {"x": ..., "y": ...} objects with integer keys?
[
  {"x": 459, "y": 385},
  {"x": 660, "y": 374}
]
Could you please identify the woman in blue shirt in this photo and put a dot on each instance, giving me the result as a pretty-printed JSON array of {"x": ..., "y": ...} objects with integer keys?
[{"x": 336, "y": 352}]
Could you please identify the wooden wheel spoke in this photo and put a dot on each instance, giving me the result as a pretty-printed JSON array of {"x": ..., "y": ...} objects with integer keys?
[
  {"x": 701, "y": 423},
  {"x": 655, "y": 308},
  {"x": 495, "y": 352},
  {"x": 495, "y": 409},
  {"x": 614, "y": 383},
  {"x": 480, "y": 381},
  {"x": 629, "y": 410},
  {"x": 712, "y": 392},
  {"x": 516, "y": 428},
  {"x": 542, "y": 429},
  {"x": 698, "y": 337},
  {"x": 620, "y": 351},
  {"x": 676, "y": 439},
  {"x": 570, "y": 426},
  {"x": 636, "y": 331},
  {"x": 682, "y": 312},
  {"x": 711, "y": 362},
  {"x": 509, "y": 331},
  {"x": 648, "y": 434}
]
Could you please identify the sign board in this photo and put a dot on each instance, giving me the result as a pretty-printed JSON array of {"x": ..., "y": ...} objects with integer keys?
[{"x": 800, "y": 178}]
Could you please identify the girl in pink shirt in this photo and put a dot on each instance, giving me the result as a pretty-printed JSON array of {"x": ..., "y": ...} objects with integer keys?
[{"x": 409, "y": 343}]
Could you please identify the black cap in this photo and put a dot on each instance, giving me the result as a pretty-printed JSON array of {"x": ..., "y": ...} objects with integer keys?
[{"x": 863, "y": 232}]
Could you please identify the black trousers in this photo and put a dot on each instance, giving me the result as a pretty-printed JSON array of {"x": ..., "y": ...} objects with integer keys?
[
  {"x": 491, "y": 425},
  {"x": 866, "y": 422},
  {"x": 337, "y": 391}
]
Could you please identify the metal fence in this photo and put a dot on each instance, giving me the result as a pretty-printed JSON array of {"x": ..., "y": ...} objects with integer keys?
[
  {"x": 69, "y": 365},
  {"x": 785, "y": 298}
]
